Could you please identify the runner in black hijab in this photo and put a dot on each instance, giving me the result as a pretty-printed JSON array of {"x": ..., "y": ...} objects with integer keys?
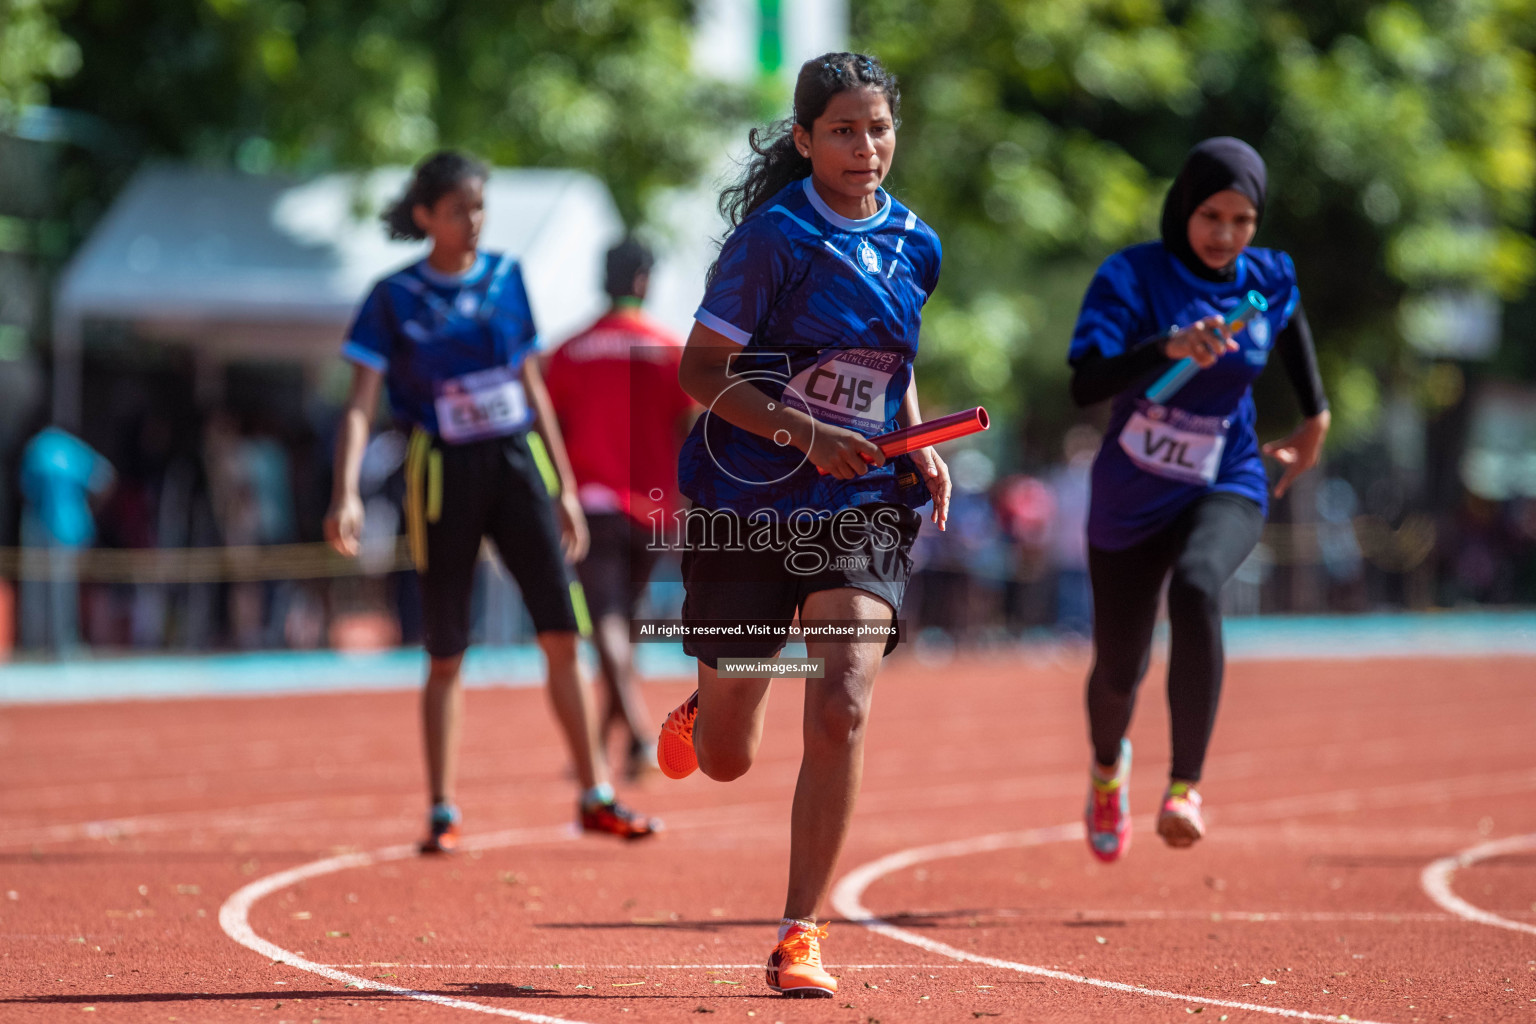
[
  {"x": 1215, "y": 165},
  {"x": 1151, "y": 520}
]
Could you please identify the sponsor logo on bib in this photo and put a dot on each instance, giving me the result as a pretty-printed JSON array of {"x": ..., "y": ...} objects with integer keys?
[{"x": 1174, "y": 444}]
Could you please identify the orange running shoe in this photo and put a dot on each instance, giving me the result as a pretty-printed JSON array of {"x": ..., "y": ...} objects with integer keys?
[
  {"x": 674, "y": 750},
  {"x": 442, "y": 830},
  {"x": 614, "y": 819},
  {"x": 794, "y": 966}
]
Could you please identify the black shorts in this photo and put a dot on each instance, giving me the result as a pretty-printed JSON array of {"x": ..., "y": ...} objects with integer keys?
[
  {"x": 618, "y": 565},
  {"x": 730, "y": 581},
  {"x": 455, "y": 494}
]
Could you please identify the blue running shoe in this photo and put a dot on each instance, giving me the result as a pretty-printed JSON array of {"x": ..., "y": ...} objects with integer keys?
[{"x": 442, "y": 830}]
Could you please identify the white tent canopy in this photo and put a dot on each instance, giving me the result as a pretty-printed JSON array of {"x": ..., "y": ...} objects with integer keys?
[{"x": 256, "y": 267}]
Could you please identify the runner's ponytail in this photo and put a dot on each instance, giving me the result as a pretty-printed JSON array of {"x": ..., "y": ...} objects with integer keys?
[{"x": 435, "y": 177}]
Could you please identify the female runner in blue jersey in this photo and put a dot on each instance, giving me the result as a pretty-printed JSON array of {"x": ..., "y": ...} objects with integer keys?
[
  {"x": 450, "y": 336},
  {"x": 1189, "y": 519},
  {"x": 802, "y": 349}
]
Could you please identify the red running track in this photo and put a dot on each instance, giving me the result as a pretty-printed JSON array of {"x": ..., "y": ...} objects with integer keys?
[{"x": 125, "y": 829}]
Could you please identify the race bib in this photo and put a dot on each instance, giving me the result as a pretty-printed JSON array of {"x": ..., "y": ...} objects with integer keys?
[
  {"x": 487, "y": 403},
  {"x": 1174, "y": 444},
  {"x": 847, "y": 387}
]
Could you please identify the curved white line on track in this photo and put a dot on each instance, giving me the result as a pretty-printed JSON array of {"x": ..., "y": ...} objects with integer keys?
[
  {"x": 1436, "y": 881},
  {"x": 848, "y": 895},
  {"x": 234, "y": 916}
]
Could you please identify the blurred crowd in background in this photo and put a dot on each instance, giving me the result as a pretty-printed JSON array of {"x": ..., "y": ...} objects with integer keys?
[
  {"x": 1011, "y": 567},
  {"x": 175, "y": 502}
]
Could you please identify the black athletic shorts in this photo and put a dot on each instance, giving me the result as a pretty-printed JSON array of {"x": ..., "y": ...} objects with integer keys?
[
  {"x": 455, "y": 494},
  {"x": 866, "y": 548},
  {"x": 618, "y": 565}
]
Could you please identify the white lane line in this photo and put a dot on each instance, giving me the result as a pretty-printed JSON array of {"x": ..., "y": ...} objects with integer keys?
[
  {"x": 1226, "y": 916},
  {"x": 848, "y": 894},
  {"x": 643, "y": 967},
  {"x": 240, "y": 818},
  {"x": 234, "y": 917},
  {"x": 367, "y": 809},
  {"x": 1436, "y": 881},
  {"x": 1437, "y": 838},
  {"x": 1407, "y": 794}
]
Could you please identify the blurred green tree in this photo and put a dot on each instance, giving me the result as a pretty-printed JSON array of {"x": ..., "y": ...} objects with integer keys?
[
  {"x": 1039, "y": 135},
  {"x": 33, "y": 52},
  {"x": 604, "y": 85}
]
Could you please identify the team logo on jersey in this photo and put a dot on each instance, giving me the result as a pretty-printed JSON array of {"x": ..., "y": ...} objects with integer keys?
[
  {"x": 1258, "y": 330},
  {"x": 467, "y": 303},
  {"x": 869, "y": 256}
]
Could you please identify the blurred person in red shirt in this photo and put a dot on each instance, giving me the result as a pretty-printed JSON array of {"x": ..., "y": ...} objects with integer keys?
[{"x": 614, "y": 389}]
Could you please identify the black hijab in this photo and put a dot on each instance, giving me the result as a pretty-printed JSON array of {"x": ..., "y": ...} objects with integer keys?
[{"x": 1214, "y": 165}]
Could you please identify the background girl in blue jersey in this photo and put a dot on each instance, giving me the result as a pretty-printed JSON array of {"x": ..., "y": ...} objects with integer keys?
[
  {"x": 1179, "y": 490},
  {"x": 450, "y": 336},
  {"x": 802, "y": 350}
]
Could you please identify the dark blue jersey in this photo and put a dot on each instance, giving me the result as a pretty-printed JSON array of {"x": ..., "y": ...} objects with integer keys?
[
  {"x": 827, "y": 312},
  {"x": 451, "y": 347},
  {"x": 1156, "y": 459}
]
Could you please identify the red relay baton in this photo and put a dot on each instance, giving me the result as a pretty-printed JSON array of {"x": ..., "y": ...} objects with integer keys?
[{"x": 931, "y": 432}]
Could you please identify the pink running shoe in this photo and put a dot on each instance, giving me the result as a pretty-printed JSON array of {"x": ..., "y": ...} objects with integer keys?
[
  {"x": 1108, "y": 815},
  {"x": 1180, "y": 823}
]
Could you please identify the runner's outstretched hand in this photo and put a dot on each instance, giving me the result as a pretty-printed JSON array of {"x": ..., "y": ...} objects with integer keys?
[
  {"x": 574, "y": 539},
  {"x": 344, "y": 525},
  {"x": 936, "y": 476},
  {"x": 1299, "y": 451}
]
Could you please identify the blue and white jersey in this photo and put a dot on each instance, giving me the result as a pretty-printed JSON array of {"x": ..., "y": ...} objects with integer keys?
[
  {"x": 1140, "y": 292},
  {"x": 827, "y": 312},
  {"x": 451, "y": 347}
]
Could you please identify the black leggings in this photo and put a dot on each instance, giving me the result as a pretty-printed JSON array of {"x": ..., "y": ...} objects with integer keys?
[{"x": 1203, "y": 547}]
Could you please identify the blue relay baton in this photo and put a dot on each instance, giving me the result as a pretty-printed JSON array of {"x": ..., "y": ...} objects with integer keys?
[{"x": 1180, "y": 372}]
